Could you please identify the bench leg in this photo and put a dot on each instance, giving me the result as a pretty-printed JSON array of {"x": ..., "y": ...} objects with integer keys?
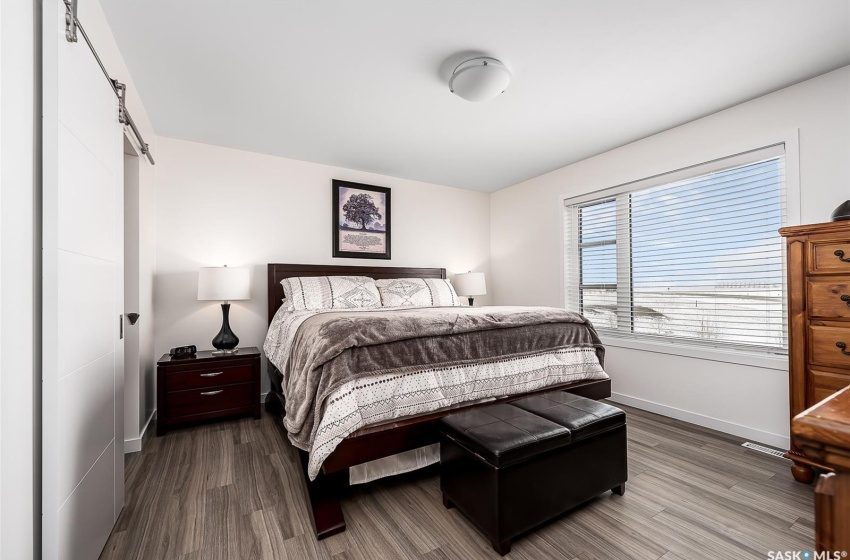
[
  {"x": 503, "y": 547},
  {"x": 447, "y": 503},
  {"x": 619, "y": 490}
]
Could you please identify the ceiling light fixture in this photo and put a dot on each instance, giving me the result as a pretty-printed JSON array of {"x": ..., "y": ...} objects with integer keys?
[{"x": 479, "y": 79}]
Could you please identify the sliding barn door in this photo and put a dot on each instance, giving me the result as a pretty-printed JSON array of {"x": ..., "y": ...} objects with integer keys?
[{"x": 82, "y": 414}]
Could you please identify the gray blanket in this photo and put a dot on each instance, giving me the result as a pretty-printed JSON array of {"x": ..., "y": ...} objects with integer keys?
[{"x": 330, "y": 349}]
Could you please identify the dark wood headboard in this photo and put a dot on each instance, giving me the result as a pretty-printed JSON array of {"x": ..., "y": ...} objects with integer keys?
[{"x": 278, "y": 272}]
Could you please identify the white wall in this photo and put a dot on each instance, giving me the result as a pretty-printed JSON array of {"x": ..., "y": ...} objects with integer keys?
[
  {"x": 525, "y": 236},
  {"x": 138, "y": 396},
  {"x": 218, "y": 206},
  {"x": 19, "y": 258}
]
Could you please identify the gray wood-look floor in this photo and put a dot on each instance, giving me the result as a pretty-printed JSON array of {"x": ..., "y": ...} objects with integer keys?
[{"x": 233, "y": 490}]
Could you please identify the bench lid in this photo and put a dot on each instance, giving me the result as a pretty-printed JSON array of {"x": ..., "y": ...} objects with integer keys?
[{"x": 505, "y": 433}]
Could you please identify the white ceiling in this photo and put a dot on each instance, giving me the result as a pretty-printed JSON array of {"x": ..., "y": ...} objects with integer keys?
[{"x": 363, "y": 84}]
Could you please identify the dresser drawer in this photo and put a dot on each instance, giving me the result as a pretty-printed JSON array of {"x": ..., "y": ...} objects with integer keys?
[
  {"x": 826, "y": 383},
  {"x": 829, "y": 299},
  {"x": 830, "y": 257},
  {"x": 201, "y": 401},
  {"x": 824, "y": 347},
  {"x": 212, "y": 377}
]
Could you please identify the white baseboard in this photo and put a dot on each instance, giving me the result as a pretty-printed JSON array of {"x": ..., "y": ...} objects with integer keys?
[
  {"x": 751, "y": 434},
  {"x": 134, "y": 445}
]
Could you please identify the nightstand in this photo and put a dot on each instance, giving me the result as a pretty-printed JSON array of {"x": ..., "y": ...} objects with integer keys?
[{"x": 207, "y": 387}]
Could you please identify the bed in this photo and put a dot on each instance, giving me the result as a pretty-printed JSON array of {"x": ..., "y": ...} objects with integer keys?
[{"x": 326, "y": 481}]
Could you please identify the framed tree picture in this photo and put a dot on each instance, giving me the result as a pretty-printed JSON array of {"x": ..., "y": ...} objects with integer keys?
[{"x": 361, "y": 221}]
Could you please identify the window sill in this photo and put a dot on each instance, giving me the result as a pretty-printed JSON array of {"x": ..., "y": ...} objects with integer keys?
[{"x": 777, "y": 362}]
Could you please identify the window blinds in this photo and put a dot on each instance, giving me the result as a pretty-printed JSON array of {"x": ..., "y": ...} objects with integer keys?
[{"x": 689, "y": 256}]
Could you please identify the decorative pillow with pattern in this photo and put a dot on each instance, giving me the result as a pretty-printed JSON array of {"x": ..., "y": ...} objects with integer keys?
[
  {"x": 417, "y": 292},
  {"x": 331, "y": 292}
]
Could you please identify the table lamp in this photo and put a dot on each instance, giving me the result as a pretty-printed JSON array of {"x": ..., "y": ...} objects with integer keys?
[
  {"x": 470, "y": 284},
  {"x": 223, "y": 283}
]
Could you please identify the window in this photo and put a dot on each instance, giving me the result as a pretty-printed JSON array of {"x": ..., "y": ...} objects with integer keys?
[{"x": 691, "y": 256}]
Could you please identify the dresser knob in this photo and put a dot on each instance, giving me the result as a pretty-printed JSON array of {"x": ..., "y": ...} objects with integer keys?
[
  {"x": 846, "y": 299},
  {"x": 840, "y": 254},
  {"x": 843, "y": 348}
]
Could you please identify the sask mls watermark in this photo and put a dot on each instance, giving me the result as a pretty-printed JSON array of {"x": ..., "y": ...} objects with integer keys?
[{"x": 806, "y": 555}]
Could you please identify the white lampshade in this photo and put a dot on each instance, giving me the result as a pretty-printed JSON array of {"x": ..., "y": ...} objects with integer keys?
[
  {"x": 470, "y": 284},
  {"x": 480, "y": 79},
  {"x": 224, "y": 283}
]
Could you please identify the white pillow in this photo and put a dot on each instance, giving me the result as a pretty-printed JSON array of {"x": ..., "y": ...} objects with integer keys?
[
  {"x": 417, "y": 292},
  {"x": 331, "y": 292}
]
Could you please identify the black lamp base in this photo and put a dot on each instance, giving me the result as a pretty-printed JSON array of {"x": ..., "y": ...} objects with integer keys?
[
  {"x": 470, "y": 301},
  {"x": 225, "y": 341}
]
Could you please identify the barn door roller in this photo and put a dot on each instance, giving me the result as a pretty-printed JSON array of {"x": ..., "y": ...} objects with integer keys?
[
  {"x": 72, "y": 25},
  {"x": 121, "y": 92},
  {"x": 71, "y": 20}
]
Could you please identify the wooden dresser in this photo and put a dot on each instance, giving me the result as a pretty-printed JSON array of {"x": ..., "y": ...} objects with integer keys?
[
  {"x": 206, "y": 387},
  {"x": 818, "y": 322}
]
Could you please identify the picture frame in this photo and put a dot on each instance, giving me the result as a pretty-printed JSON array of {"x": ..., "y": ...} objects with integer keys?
[{"x": 361, "y": 221}]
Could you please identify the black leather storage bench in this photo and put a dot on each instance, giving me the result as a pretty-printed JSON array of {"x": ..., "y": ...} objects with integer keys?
[{"x": 510, "y": 467}]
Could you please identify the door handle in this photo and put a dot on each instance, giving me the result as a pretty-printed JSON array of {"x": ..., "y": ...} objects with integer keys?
[
  {"x": 133, "y": 317},
  {"x": 211, "y": 393}
]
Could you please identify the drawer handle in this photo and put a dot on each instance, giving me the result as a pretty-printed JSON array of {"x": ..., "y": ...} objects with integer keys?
[
  {"x": 843, "y": 348},
  {"x": 211, "y": 393},
  {"x": 846, "y": 299},
  {"x": 840, "y": 254},
  {"x": 217, "y": 373}
]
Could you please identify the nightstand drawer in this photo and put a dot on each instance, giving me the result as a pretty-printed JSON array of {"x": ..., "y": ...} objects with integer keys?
[
  {"x": 829, "y": 346},
  {"x": 212, "y": 377},
  {"x": 210, "y": 399},
  {"x": 829, "y": 299}
]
